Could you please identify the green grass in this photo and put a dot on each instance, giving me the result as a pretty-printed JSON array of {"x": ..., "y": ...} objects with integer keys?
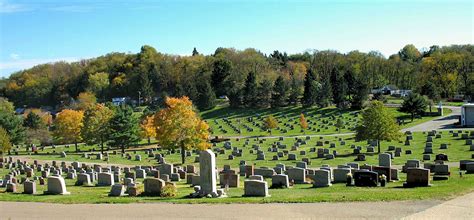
[
  {"x": 456, "y": 151},
  {"x": 324, "y": 119}
]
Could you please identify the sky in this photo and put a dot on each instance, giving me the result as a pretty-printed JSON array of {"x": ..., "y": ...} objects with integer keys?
[{"x": 42, "y": 31}]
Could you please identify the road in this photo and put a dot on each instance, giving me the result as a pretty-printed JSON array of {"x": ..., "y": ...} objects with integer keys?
[
  {"x": 458, "y": 208},
  {"x": 442, "y": 123}
]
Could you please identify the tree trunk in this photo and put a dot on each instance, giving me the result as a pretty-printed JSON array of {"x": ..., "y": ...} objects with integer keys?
[
  {"x": 123, "y": 149},
  {"x": 183, "y": 155},
  {"x": 378, "y": 146},
  {"x": 102, "y": 148},
  {"x": 75, "y": 144},
  {"x": 412, "y": 116},
  {"x": 149, "y": 141}
]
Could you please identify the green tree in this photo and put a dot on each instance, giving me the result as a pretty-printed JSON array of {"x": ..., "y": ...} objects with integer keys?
[
  {"x": 5, "y": 105},
  {"x": 222, "y": 69},
  {"x": 361, "y": 95},
  {"x": 311, "y": 88},
  {"x": 324, "y": 95},
  {"x": 96, "y": 125},
  {"x": 195, "y": 52},
  {"x": 145, "y": 87},
  {"x": 207, "y": 97},
  {"x": 409, "y": 53},
  {"x": 339, "y": 124},
  {"x": 98, "y": 82},
  {"x": 264, "y": 94},
  {"x": 429, "y": 89},
  {"x": 415, "y": 104},
  {"x": 13, "y": 124},
  {"x": 5, "y": 144},
  {"x": 280, "y": 92},
  {"x": 250, "y": 90},
  {"x": 378, "y": 124},
  {"x": 33, "y": 121},
  {"x": 295, "y": 91},
  {"x": 124, "y": 130}
]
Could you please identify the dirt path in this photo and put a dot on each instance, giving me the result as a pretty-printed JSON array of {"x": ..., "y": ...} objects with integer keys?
[{"x": 358, "y": 210}]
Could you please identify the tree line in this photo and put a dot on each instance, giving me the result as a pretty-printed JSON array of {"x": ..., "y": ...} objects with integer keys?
[{"x": 248, "y": 78}]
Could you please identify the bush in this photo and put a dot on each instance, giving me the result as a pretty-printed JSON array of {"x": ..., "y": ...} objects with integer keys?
[{"x": 169, "y": 191}]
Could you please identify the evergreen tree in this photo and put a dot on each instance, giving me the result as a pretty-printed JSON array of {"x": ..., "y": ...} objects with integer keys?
[
  {"x": 324, "y": 95},
  {"x": 311, "y": 88},
  {"x": 33, "y": 121},
  {"x": 415, "y": 104},
  {"x": 195, "y": 52},
  {"x": 222, "y": 70},
  {"x": 124, "y": 129},
  {"x": 145, "y": 87},
  {"x": 264, "y": 96},
  {"x": 295, "y": 91},
  {"x": 279, "y": 94},
  {"x": 207, "y": 97},
  {"x": 250, "y": 90},
  {"x": 429, "y": 89},
  {"x": 339, "y": 88},
  {"x": 13, "y": 125},
  {"x": 361, "y": 94}
]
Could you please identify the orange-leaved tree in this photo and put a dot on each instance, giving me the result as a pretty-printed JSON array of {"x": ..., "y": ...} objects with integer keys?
[
  {"x": 67, "y": 126},
  {"x": 148, "y": 129},
  {"x": 179, "y": 126},
  {"x": 303, "y": 123}
]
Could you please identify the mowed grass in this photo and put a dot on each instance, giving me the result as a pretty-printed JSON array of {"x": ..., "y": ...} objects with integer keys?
[
  {"x": 440, "y": 190},
  {"x": 457, "y": 150},
  {"x": 321, "y": 120},
  {"x": 446, "y": 189}
]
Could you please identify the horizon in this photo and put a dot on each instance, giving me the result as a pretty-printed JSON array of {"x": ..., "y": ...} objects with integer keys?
[{"x": 86, "y": 29}]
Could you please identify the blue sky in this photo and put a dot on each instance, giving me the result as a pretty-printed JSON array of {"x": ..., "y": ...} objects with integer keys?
[{"x": 41, "y": 31}]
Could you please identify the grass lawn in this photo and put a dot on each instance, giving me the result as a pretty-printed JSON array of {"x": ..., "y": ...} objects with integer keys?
[
  {"x": 445, "y": 189},
  {"x": 321, "y": 120}
]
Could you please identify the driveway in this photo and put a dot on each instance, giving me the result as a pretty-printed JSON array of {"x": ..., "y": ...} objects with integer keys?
[{"x": 444, "y": 122}]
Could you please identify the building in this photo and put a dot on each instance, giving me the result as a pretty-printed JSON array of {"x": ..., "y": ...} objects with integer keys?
[
  {"x": 467, "y": 115},
  {"x": 119, "y": 101}
]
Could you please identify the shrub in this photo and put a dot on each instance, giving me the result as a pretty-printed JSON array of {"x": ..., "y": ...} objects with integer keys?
[{"x": 169, "y": 191}]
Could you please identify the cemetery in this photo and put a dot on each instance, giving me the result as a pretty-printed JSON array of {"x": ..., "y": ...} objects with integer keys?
[{"x": 305, "y": 168}]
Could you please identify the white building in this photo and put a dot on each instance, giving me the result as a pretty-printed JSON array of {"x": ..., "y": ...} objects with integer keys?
[
  {"x": 467, "y": 115},
  {"x": 119, "y": 101}
]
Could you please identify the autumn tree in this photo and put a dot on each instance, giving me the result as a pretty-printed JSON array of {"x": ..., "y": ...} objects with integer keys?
[
  {"x": 5, "y": 144},
  {"x": 96, "y": 125},
  {"x": 378, "y": 124},
  {"x": 179, "y": 126},
  {"x": 67, "y": 127},
  {"x": 85, "y": 100},
  {"x": 270, "y": 123},
  {"x": 124, "y": 130},
  {"x": 303, "y": 123},
  {"x": 147, "y": 127}
]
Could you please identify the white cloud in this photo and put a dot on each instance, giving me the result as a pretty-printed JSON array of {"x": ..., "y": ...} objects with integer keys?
[
  {"x": 6, "y": 7},
  {"x": 14, "y": 56}
]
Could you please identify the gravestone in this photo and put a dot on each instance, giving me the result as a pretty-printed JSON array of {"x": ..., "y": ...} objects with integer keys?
[
  {"x": 340, "y": 174},
  {"x": 298, "y": 175},
  {"x": 117, "y": 190},
  {"x": 208, "y": 179},
  {"x": 321, "y": 178},
  {"x": 56, "y": 186},
  {"x": 105, "y": 179},
  {"x": 29, "y": 187},
  {"x": 365, "y": 178},
  {"x": 280, "y": 181},
  {"x": 256, "y": 188},
  {"x": 385, "y": 160},
  {"x": 153, "y": 186},
  {"x": 417, "y": 177}
]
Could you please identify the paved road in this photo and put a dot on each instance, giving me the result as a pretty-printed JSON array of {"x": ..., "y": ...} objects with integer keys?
[
  {"x": 458, "y": 208},
  {"x": 445, "y": 122},
  {"x": 358, "y": 210}
]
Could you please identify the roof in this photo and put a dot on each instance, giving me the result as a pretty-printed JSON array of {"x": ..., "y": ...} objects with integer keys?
[{"x": 470, "y": 105}]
